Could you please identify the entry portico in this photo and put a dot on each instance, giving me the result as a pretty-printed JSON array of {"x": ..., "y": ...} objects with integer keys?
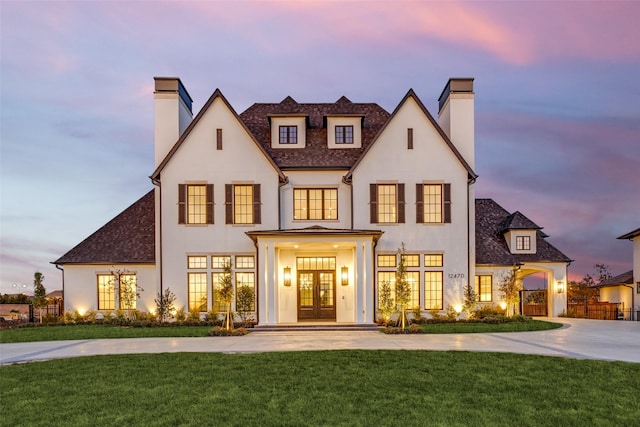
[{"x": 315, "y": 274}]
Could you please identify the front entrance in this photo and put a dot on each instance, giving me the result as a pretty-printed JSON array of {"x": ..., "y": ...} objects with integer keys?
[{"x": 316, "y": 288}]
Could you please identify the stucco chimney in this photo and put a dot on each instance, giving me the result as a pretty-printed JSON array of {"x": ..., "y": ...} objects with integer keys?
[
  {"x": 172, "y": 114},
  {"x": 456, "y": 116}
]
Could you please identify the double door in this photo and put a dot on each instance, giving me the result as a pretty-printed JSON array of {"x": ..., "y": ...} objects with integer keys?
[{"x": 316, "y": 295}]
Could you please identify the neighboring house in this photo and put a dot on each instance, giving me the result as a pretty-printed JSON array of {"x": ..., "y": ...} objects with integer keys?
[
  {"x": 625, "y": 288},
  {"x": 309, "y": 204}
]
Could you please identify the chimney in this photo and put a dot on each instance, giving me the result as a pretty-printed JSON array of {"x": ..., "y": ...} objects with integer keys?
[
  {"x": 456, "y": 115},
  {"x": 172, "y": 114}
]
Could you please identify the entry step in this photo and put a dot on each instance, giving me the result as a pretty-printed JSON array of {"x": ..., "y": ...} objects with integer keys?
[{"x": 315, "y": 327}]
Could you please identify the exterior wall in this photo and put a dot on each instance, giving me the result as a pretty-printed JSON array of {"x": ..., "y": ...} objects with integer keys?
[
  {"x": 636, "y": 268},
  {"x": 198, "y": 161},
  {"x": 457, "y": 118},
  {"x": 431, "y": 160},
  {"x": 332, "y": 122},
  {"x": 617, "y": 294},
  {"x": 511, "y": 236},
  {"x": 316, "y": 179},
  {"x": 81, "y": 285},
  {"x": 300, "y": 122}
]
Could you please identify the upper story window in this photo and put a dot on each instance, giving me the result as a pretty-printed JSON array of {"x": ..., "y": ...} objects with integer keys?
[
  {"x": 195, "y": 203},
  {"x": 288, "y": 134},
  {"x": 315, "y": 204},
  {"x": 386, "y": 203},
  {"x": 523, "y": 243},
  {"x": 344, "y": 134},
  {"x": 433, "y": 203},
  {"x": 242, "y": 204}
]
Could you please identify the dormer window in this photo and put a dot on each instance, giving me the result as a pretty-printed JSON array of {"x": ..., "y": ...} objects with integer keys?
[
  {"x": 288, "y": 134},
  {"x": 344, "y": 134},
  {"x": 523, "y": 243}
]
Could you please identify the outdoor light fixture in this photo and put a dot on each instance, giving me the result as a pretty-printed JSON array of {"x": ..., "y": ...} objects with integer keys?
[
  {"x": 560, "y": 287},
  {"x": 287, "y": 276},
  {"x": 503, "y": 305},
  {"x": 345, "y": 276}
]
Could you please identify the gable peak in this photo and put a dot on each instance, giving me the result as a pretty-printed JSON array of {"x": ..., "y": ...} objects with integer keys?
[{"x": 288, "y": 101}]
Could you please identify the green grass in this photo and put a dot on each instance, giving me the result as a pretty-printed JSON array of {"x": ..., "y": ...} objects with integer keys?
[
  {"x": 83, "y": 332},
  {"x": 407, "y": 388},
  {"x": 467, "y": 328}
]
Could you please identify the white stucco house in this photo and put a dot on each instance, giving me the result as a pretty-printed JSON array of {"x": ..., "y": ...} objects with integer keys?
[
  {"x": 625, "y": 288},
  {"x": 309, "y": 204}
]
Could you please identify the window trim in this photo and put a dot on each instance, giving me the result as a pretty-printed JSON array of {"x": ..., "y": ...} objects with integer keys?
[
  {"x": 523, "y": 243},
  {"x": 324, "y": 202},
  {"x": 445, "y": 203},
  {"x": 374, "y": 204},
  {"x": 183, "y": 204},
  {"x": 479, "y": 285},
  {"x": 229, "y": 196},
  {"x": 290, "y": 138},
  {"x": 342, "y": 135}
]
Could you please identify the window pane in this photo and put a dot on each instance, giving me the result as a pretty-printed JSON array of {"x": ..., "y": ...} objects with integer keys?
[
  {"x": 484, "y": 287},
  {"x": 244, "y": 261},
  {"x": 196, "y": 204},
  {"x": 433, "y": 260},
  {"x": 315, "y": 203},
  {"x": 197, "y": 291},
  {"x": 300, "y": 204},
  {"x": 216, "y": 279},
  {"x": 330, "y": 203},
  {"x": 344, "y": 134},
  {"x": 288, "y": 134},
  {"x": 196, "y": 262},
  {"x": 387, "y": 203},
  {"x": 386, "y": 260},
  {"x": 243, "y": 204},
  {"x": 220, "y": 261},
  {"x": 432, "y": 202},
  {"x": 411, "y": 260},
  {"x": 413, "y": 277},
  {"x": 433, "y": 290},
  {"x": 387, "y": 278},
  {"x": 245, "y": 280},
  {"x": 106, "y": 292}
]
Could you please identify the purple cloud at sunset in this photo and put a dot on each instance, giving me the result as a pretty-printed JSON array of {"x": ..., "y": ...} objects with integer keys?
[{"x": 557, "y": 111}]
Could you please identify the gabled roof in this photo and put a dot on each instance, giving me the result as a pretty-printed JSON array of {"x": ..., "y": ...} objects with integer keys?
[
  {"x": 491, "y": 246},
  {"x": 216, "y": 94},
  {"x": 630, "y": 235},
  {"x": 129, "y": 238},
  {"x": 620, "y": 279},
  {"x": 411, "y": 94},
  {"x": 316, "y": 153}
]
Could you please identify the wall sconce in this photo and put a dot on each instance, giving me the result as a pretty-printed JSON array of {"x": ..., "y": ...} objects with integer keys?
[
  {"x": 287, "y": 276},
  {"x": 560, "y": 287},
  {"x": 345, "y": 276}
]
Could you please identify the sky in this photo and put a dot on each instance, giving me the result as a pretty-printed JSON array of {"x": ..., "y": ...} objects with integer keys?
[{"x": 557, "y": 99}]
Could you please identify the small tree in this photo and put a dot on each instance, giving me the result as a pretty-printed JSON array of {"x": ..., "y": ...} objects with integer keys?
[
  {"x": 510, "y": 288},
  {"x": 386, "y": 304},
  {"x": 225, "y": 292},
  {"x": 403, "y": 287},
  {"x": 39, "y": 293},
  {"x": 165, "y": 305},
  {"x": 245, "y": 299},
  {"x": 470, "y": 300},
  {"x": 127, "y": 288}
]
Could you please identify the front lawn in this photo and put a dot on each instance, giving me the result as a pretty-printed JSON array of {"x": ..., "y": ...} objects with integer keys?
[{"x": 355, "y": 387}]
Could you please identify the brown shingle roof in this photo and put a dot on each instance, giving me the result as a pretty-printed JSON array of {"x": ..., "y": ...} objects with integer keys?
[
  {"x": 491, "y": 246},
  {"x": 129, "y": 238},
  {"x": 621, "y": 279},
  {"x": 631, "y": 234},
  {"x": 316, "y": 153}
]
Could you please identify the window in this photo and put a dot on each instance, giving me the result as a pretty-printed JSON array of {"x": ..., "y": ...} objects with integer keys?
[
  {"x": 410, "y": 138},
  {"x": 484, "y": 287},
  {"x": 288, "y": 134},
  {"x": 433, "y": 260},
  {"x": 384, "y": 278},
  {"x": 106, "y": 292},
  {"x": 195, "y": 203},
  {"x": 315, "y": 204},
  {"x": 216, "y": 284},
  {"x": 523, "y": 243},
  {"x": 386, "y": 260},
  {"x": 413, "y": 277},
  {"x": 433, "y": 203},
  {"x": 245, "y": 262},
  {"x": 242, "y": 204},
  {"x": 386, "y": 203},
  {"x": 196, "y": 262},
  {"x": 411, "y": 260},
  {"x": 220, "y": 261},
  {"x": 128, "y": 290},
  {"x": 245, "y": 279},
  {"x": 433, "y": 290},
  {"x": 344, "y": 134},
  {"x": 197, "y": 291},
  {"x": 218, "y": 139}
]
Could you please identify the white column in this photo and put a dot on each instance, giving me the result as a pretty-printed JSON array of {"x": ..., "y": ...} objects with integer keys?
[
  {"x": 262, "y": 284},
  {"x": 557, "y": 301},
  {"x": 360, "y": 283},
  {"x": 271, "y": 284},
  {"x": 369, "y": 313}
]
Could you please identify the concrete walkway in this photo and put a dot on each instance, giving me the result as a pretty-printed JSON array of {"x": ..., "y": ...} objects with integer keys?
[{"x": 579, "y": 338}]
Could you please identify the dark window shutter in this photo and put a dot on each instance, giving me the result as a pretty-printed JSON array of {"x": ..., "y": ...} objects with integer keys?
[
  {"x": 257, "y": 204},
  {"x": 219, "y": 139},
  {"x": 373, "y": 203},
  {"x": 228, "y": 205},
  {"x": 401, "y": 203},
  {"x": 209, "y": 203},
  {"x": 419, "y": 204},
  {"x": 410, "y": 138},
  {"x": 446, "y": 189},
  {"x": 182, "y": 205}
]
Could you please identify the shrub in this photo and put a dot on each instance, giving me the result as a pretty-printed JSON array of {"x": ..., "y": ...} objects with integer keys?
[
  {"x": 416, "y": 314},
  {"x": 219, "y": 331},
  {"x": 194, "y": 316},
  {"x": 451, "y": 314},
  {"x": 435, "y": 314},
  {"x": 180, "y": 315},
  {"x": 488, "y": 311},
  {"x": 568, "y": 313},
  {"x": 415, "y": 329}
]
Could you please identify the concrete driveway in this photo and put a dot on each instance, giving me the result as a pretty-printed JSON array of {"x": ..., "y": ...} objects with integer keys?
[{"x": 578, "y": 338}]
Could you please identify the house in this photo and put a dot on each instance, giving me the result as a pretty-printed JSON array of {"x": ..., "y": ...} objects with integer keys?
[
  {"x": 309, "y": 203},
  {"x": 625, "y": 288}
]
